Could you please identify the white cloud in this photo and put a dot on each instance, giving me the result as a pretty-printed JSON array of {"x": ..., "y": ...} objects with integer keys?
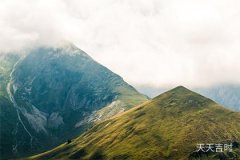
[{"x": 154, "y": 42}]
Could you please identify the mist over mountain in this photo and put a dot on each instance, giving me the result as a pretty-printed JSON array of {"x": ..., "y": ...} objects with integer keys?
[
  {"x": 50, "y": 95},
  {"x": 175, "y": 39},
  {"x": 92, "y": 80}
]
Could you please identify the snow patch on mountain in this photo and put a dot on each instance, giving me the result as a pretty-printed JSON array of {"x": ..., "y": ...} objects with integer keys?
[
  {"x": 107, "y": 112},
  {"x": 55, "y": 120},
  {"x": 36, "y": 118}
]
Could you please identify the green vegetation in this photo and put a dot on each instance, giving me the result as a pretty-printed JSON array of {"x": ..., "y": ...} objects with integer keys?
[
  {"x": 168, "y": 127},
  {"x": 130, "y": 96},
  {"x": 8, "y": 116},
  {"x": 8, "y": 122},
  {"x": 59, "y": 93}
]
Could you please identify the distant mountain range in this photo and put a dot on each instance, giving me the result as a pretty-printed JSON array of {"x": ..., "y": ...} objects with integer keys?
[
  {"x": 168, "y": 127},
  {"x": 227, "y": 95},
  {"x": 50, "y": 95}
]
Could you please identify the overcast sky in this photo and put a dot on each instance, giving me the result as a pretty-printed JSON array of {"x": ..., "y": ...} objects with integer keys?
[{"x": 147, "y": 42}]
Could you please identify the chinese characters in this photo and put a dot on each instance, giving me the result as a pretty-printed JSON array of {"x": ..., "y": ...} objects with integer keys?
[{"x": 214, "y": 147}]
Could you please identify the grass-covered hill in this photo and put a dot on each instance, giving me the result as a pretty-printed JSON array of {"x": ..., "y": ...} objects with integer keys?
[{"x": 167, "y": 127}]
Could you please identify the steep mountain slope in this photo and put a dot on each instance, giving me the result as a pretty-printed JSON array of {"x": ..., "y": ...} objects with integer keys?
[
  {"x": 8, "y": 114},
  {"x": 54, "y": 94},
  {"x": 168, "y": 127},
  {"x": 6, "y": 64}
]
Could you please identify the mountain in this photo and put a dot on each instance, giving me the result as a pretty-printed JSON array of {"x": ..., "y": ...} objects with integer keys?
[
  {"x": 170, "y": 126},
  {"x": 227, "y": 95},
  {"x": 8, "y": 114},
  {"x": 49, "y": 95}
]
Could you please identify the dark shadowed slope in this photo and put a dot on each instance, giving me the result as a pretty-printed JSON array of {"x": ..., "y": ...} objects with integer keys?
[{"x": 52, "y": 94}]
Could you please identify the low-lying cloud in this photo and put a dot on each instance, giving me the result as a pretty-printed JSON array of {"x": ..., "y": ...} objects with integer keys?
[{"x": 154, "y": 42}]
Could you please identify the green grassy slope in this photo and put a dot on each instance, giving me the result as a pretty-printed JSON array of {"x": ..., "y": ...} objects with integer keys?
[{"x": 168, "y": 127}]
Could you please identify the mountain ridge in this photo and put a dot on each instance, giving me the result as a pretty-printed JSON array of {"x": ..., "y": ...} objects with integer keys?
[
  {"x": 57, "y": 93},
  {"x": 226, "y": 94},
  {"x": 168, "y": 127}
]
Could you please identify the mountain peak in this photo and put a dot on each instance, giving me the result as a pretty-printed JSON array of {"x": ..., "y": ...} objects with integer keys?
[
  {"x": 180, "y": 88},
  {"x": 60, "y": 91},
  {"x": 182, "y": 97},
  {"x": 170, "y": 121}
]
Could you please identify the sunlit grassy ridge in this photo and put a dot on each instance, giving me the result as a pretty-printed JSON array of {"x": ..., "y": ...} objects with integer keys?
[{"x": 168, "y": 127}]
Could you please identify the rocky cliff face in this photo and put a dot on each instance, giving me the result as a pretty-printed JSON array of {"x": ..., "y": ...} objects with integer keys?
[{"x": 59, "y": 92}]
